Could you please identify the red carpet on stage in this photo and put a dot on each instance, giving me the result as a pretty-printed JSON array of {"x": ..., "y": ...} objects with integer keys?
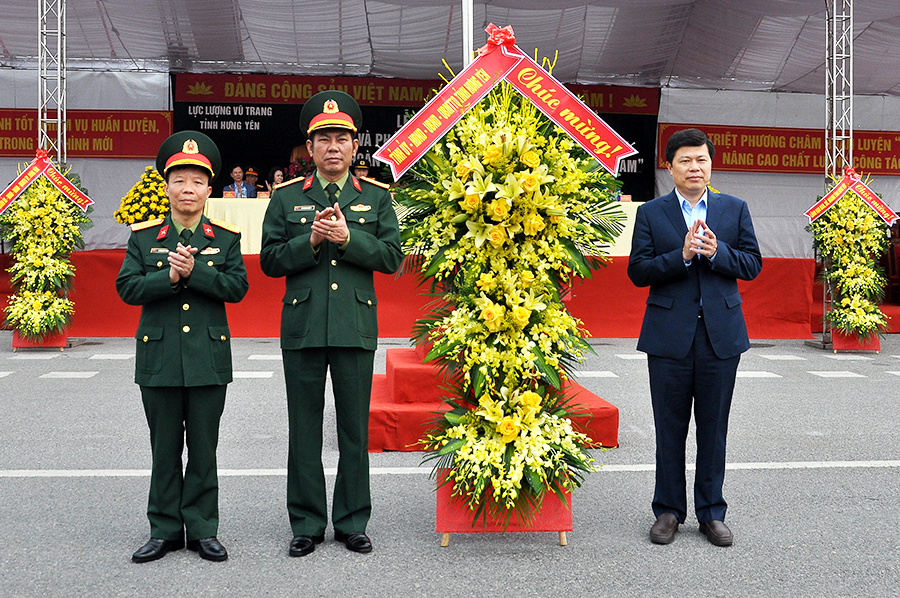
[{"x": 778, "y": 304}]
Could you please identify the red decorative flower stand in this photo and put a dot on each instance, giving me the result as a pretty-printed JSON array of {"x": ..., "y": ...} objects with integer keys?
[
  {"x": 56, "y": 340},
  {"x": 852, "y": 342},
  {"x": 453, "y": 516}
]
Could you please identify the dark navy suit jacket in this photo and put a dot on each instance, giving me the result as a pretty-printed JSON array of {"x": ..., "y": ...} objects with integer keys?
[{"x": 670, "y": 319}]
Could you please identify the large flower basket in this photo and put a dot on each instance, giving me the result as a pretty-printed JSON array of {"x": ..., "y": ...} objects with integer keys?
[
  {"x": 841, "y": 341},
  {"x": 52, "y": 340},
  {"x": 453, "y": 516}
]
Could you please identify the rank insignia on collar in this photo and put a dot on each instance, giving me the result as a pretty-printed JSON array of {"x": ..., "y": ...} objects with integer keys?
[
  {"x": 208, "y": 231},
  {"x": 356, "y": 184},
  {"x": 307, "y": 183},
  {"x": 163, "y": 232}
]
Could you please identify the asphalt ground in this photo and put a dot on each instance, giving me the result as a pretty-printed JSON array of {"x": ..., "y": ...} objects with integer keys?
[{"x": 812, "y": 484}]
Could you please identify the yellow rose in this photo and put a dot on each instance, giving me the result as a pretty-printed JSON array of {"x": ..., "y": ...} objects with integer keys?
[
  {"x": 527, "y": 278},
  {"x": 498, "y": 209},
  {"x": 470, "y": 203},
  {"x": 463, "y": 169},
  {"x": 520, "y": 315},
  {"x": 492, "y": 154},
  {"x": 508, "y": 429},
  {"x": 531, "y": 159},
  {"x": 485, "y": 282},
  {"x": 530, "y": 401},
  {"x": 497, "y": 236},
  {"x": 492, "y": 314},
  {"x": 533, "y": 224},
  {"x": 530, "y": 181}
]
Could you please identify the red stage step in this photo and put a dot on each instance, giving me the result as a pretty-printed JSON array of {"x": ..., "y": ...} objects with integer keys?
[{"x": 409, "y": 396}]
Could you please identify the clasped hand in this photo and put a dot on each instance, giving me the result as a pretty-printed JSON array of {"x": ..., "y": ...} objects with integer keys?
[
  {"x": 181, "y": 263},
  {"x": 330, "y": 225},
  {"x": 699, "y": 240}
]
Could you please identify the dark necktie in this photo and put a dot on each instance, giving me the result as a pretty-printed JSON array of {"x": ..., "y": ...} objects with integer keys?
[
  {"x": 331, "y": 189},
  {"x": 185, "y": 236}
]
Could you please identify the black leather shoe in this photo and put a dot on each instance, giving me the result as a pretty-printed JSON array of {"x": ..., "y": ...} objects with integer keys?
[
  {"x": 156, "y": 548},
  {"x": 208, "y": 548},
  {"x": 304, "y": 545},
  {"x": 717, "y": 533},
  {"x": 663, "y": 531},
  {"x": 355, "y": 541}
]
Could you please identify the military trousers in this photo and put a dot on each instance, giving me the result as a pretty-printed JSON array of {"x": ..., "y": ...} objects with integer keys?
[
  {"x": 351, "y": 379},
  {"x": 188, "y": 498}
]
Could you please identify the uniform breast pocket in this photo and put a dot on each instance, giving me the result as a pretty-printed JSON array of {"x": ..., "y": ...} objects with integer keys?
[
  {"x": 212, "y": 259},
  {"x": 366, "y": 313},
  {"x": 156, "y": 261},
  {"x": 301, "y": 221},
  {"x": 295, "y": 314},
  {"x": 149, "y": 351}
]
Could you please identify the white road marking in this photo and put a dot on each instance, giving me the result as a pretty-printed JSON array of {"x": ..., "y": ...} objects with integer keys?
[
  {"x": 837, "y": 374},
  {"x": 782, "y": 357},
  {"x": 850, "y": 357},
  {"x": 631, "y": 355},
  {"x": 35, "y": 356},
  {"x": 70, "y": 375},
  {"x": 252, "y": 374},
  {"x": 595, "y": 374},
  {"x": 756, "y": 374},
  {"x": 4, "y": 374},
  {"x": 265, "y": 358},
  {"x": 111, "y": 356}
]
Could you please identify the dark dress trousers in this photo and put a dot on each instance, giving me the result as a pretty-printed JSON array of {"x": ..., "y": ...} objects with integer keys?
[
  {"x": 182, "y": 364},
  {"x": 693, "y": 353},
  {"x": 329, "y": 321}
]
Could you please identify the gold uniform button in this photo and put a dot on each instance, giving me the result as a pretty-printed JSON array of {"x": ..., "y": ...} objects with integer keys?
[
  {"x": 209, "y": 263},
  {"x": 159, "y": 264},
  {"x": 185, "y": 307},
  {"x": 334, "y": 262},
  {"x": 146, "y": 338},
  {"x": 369, "y": 302},
  {"x": 334, "y": 286},
  {"x": 294, "y": 302},
  {"x": 303, "y": 221},
  {"x": 362, "y": 220},
  {"x": 186, "y": 329},
  {"x": 223, "y": 338}
]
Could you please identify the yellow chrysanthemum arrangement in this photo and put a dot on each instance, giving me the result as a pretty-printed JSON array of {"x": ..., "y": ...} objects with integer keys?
[
  {"x": 851, "y": 237},
  {"x": 145, "y": 201},
  {"x": 500, "y": 216},
  {"x": 44, "y": 227}
]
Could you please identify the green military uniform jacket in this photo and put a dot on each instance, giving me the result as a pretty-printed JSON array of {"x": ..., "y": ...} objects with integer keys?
[
  {"x": 183, "y": 337},
  {"x": 329, "y": 297}
]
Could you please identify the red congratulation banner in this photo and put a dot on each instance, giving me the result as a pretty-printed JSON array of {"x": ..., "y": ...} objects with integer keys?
[
  {"x": 500, "y": 59},
  {"x": 852, "y": 182},
  {"x": 42, "y": 165}
]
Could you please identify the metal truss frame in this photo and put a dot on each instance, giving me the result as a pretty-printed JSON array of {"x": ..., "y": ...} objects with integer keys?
[{"x": 51, "y": 129}]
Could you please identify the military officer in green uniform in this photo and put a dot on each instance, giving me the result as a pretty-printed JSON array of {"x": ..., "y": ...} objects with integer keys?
[
  {"x": 326, "y": 235},
  {"x": 181, "y": 270}
]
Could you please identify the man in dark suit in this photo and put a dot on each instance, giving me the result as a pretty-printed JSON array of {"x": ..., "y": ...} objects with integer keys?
[
  {"x": 691, "y": 246},
  {"x": 181, "y": 270},
  {"x": 327, "y": 234}
]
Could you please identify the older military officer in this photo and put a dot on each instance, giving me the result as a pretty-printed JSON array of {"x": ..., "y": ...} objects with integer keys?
[
  {"x": 326, "y": 235},
  {"x": 181, "y": 270}
]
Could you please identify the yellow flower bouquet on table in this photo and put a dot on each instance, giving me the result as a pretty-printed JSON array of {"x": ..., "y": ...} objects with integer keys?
[
  {"x": 145, "y": 201},
  {"x": 44, "y": 227},
  {"x": 850, "y": 238},
  {"x": 499, "y": 216}
]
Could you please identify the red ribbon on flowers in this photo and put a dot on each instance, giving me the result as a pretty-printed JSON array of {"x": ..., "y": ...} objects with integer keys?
[
  {"x": 42, "y": 165},
  {"x": 444, "y": 110},
  {"x": 851, "y": 182}
]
